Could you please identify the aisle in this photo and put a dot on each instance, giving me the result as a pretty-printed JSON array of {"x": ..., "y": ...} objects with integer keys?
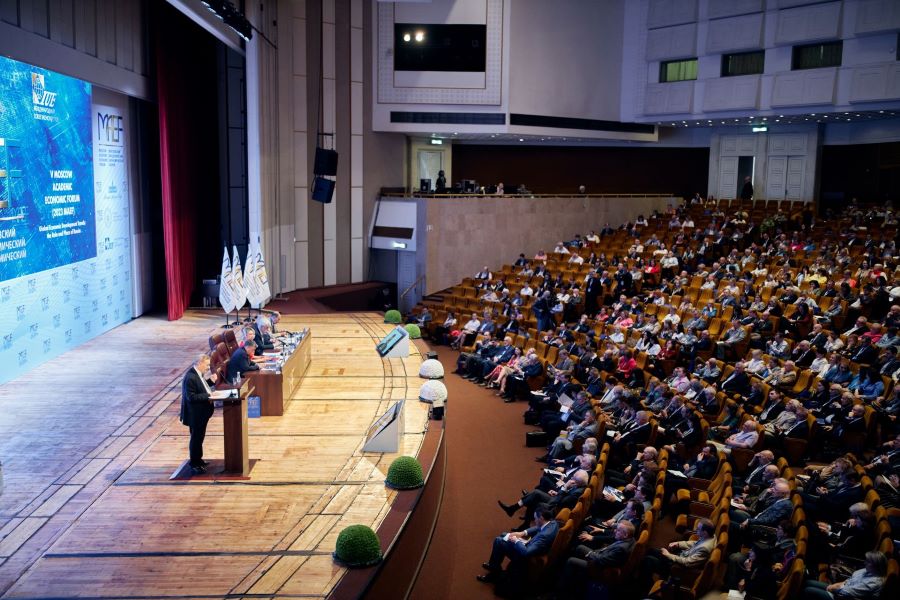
[{"x": 486, "y": 461}]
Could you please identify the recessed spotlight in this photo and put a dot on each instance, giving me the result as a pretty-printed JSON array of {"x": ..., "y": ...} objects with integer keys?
[
  {"x": 521, "y": 139},
  {"x": 723, "y": 122},
  {"x": 846, "y": 113},
  {"x": 778, "y": 120},
  {"x": 765, "y": 118},
  {"x": 420, "y": 36},
  {"x": 880, "y": 112},
  {"x": 812, "y": 114},
  {"x": 736, "y": 120},
  {"x": 781, "y": 116},
  {"x": 407, "y": 37}
]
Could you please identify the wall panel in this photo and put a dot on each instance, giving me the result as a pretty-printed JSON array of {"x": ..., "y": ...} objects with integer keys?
[
  {"x": 672, "y": 42},
  {"x": 809, "y": 24},
  {"x": 737, "y": 33},
  {"x": 664, "y": 13},
  {"x": 731, "y": 93},
  {"x": 669, "y": 98},
  {"x": 715, "y": 10},
  {"x": 811, "y": 87},
  {"x": 873, "y": 16},
  {"x": 875, "y": 82}
]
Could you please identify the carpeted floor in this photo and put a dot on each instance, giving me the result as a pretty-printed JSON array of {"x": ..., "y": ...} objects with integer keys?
[{"x": 486, "y": 461}]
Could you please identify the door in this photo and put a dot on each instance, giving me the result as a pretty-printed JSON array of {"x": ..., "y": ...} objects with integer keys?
[
  {"x": 728, "y": 169},
  {"x": 796, "y": 166},
  {"x": 776, "y": 177},
  {"x": 745, "y": 169}
]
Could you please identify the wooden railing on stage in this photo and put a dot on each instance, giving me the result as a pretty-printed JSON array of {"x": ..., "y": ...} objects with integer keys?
[{"x": 406, "y": 531}]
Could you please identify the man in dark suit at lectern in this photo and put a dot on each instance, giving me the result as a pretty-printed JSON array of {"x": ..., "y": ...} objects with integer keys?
[
  {"x": 196, "y": 409},
  {"x": 240, "y": 362}
]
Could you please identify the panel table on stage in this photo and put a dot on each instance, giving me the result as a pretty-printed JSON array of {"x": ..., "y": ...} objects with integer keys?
[{"x": 278, "y": 378}]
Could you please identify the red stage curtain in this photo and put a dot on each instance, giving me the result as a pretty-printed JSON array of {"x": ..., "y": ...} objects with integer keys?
[{"x": 185, "y": 63}]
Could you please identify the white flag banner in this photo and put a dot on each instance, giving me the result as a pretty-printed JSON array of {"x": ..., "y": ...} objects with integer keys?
[
  {"x": 237, "y": 278},
  {"x": 262, "y": 278},
  {"x": 250, "y": 279},
  {"x": 226, "y": 291}
]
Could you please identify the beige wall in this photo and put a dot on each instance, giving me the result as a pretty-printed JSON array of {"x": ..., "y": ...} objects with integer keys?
[{"x": 467, "y": 233}]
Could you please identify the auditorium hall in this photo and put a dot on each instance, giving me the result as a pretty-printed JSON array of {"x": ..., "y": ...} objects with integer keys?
[{"x": 449, "y": 299}]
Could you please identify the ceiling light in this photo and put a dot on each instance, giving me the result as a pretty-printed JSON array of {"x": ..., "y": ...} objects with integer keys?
[
  {"x": 407, "y": 37},
  {"x": 521, "y": 139},
  {"x": 880, "y": 112},
  {"x": 778, "y": 120},
  {"x": 420, "y": 36}
]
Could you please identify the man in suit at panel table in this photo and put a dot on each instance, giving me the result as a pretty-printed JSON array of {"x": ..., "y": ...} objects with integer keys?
[
  {"x": 196, "y": 409},
  {"x": 521, "y": 545},
  {"x": 240, "y": 362},
  {"x": 263, "y": 337}
]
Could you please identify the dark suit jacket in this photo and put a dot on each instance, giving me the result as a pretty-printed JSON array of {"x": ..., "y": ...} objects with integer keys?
[
  {"x": 540, "y": 540},
  {"x": 638, "y": 435},
  {"x": 614, "y": 555},
  {"x": 566, "y": 499},
  {"x": 263, "y": 342},
  {"x": 737, "y": 383},
  {"x": 240, "y": 363},
  {"x": 195, "y": 404}
]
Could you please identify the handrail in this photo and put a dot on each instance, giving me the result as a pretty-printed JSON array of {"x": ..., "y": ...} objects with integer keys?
[
  {"x": 515, "y": 195},
  {"x": 414, "y": 284}
]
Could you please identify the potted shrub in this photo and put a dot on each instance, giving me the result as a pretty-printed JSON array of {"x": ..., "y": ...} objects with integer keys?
[
  {"x": 405, "y": 473},
  {"x": 357, "y": 546}
]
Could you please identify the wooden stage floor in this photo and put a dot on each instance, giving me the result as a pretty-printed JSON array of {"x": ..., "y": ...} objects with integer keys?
[{"x": 89, "y": 440}]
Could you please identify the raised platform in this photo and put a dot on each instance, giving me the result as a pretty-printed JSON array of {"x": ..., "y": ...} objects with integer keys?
[{"x": 102, "y": 518}]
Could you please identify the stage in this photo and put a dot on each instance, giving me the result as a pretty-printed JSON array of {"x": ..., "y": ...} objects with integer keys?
[{"x": 90, "y": 440}]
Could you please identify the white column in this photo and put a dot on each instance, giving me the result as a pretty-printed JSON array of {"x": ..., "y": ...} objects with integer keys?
[
  {"x": 356, "y": 141},
  {"x": 329, "y": 218}
]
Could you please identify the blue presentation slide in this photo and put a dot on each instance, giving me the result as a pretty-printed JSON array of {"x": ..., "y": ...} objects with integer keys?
[{"x": 46, "y": 170}]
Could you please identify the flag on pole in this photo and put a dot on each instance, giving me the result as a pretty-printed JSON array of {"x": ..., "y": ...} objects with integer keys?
[
  {"x": 226, "y": 292},
  {"x": 250, "y": 279},
  {"x": 238, "y": 288},
  {"x": 262, "y": 277}
]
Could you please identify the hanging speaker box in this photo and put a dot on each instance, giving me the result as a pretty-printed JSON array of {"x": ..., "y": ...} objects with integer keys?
[
  {"x": 323, "y": 190},
  {"x": 326, "y": 162}
]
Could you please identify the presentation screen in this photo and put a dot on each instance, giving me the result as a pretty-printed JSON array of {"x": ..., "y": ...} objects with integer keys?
[
  {"x": 46, "y": 170},
  {"x": 65, "y": 215}
]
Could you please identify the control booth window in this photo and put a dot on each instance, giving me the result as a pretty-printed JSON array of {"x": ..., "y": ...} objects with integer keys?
[
  {"x": 458, "y": 48},
  {"x": 816, "y": 56},
  {"x": 743, "y": 63},
  {"x": 678, "y": 70}
]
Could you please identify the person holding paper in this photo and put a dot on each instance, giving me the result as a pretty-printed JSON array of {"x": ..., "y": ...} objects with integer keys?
[{"x": 197, "y": 408}]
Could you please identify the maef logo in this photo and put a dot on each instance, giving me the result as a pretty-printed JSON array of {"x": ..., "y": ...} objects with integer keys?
[
  {"x": 39, "y": 95},
  {"x": 109, "y": 128}
]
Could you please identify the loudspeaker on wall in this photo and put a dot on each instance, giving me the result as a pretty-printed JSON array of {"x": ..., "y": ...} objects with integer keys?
[
  {"x": 326, "y": 162},
  {"x": 323, "y": 190}
]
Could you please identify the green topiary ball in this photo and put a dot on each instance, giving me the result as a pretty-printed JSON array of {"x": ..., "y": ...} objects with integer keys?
[
  {"x": 405, "y": 473},
  {"x": 357, "y": 546},
  {"x": 393, "y": 317},
  {"x": 414, "y": 331}
]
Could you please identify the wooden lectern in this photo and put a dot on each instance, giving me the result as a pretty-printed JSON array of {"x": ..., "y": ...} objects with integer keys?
[{"x": 234, "y": 416}]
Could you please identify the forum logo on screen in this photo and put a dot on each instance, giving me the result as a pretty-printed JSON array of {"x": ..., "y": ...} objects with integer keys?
[
  {"x": 42, "y": 100},
  {"x": 39, "y": 94}
]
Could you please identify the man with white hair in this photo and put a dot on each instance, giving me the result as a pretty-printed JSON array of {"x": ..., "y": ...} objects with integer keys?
[{"x": 196, "y": 408}]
